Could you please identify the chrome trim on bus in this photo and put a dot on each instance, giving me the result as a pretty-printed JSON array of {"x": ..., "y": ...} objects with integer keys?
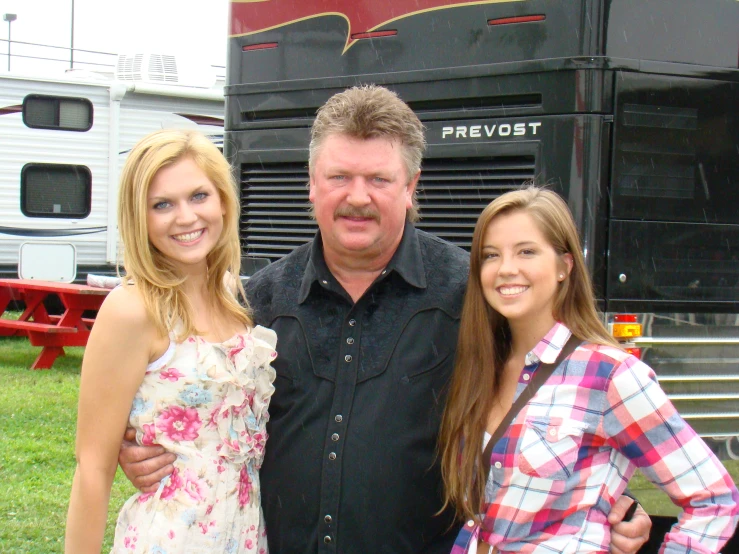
[{"x": 684, "y": 340}]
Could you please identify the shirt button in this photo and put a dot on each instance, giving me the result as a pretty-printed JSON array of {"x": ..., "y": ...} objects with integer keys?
[
  {"x": 332, "y": 456},
  {"x": 327, "y": 539},
  {"x": 552, "y": 432},
  {"x": 352, "y": 322},
  {"x": 498, "y": 465},
  {"x": 350, "y": 340},
  {"x": 328, "y": 519},
  {"x": 324, "y": 282},
  {"x": 384, "y": 271},
  {"x": 471, "y": 523},
  {"x": 338, "y": 418},
  {"x": 348, "y": 358},
  {"x": 526, "y": 377},
  {"x": 335, "y": 437}
]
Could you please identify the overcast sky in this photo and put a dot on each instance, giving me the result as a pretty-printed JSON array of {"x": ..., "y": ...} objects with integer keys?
[{"x": 181, "y": 27}]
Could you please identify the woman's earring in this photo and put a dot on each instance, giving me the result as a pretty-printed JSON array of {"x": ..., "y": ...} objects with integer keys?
[{"x": 561, "y": 276}]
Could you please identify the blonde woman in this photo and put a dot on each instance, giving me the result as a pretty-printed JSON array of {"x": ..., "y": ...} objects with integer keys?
[
  {"x": 567, "y": 455},
  {"x": 174, "y": 355}
]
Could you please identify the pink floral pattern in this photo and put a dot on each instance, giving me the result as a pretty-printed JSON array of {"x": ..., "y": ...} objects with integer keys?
[
  {"x": 179, "y": 424},
  {"x": 149, "y": 434},
  {"x": 244, "y": 487},
  {"x": 208, "y": 404},
  {"x": 170, "y": 374}
]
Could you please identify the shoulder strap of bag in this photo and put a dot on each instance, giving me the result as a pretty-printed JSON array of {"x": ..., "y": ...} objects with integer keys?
[{"x": 540, "y": 377}]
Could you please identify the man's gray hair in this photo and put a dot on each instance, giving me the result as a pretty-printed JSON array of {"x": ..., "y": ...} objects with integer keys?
[{"x": 366, "y": 112}]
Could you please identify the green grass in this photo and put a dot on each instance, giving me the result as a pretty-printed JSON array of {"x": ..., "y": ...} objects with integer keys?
[
  {"x": 37, "y": 428},
  {"x": 657, "y": 503},
  {"x": 38, "y": 413}
]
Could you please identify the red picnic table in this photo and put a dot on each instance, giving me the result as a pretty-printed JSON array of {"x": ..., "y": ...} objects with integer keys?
[{"x": 52, "y": 332}]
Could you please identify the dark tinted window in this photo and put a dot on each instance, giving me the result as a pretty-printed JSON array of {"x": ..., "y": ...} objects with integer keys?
[
  {"x": 54, "y": 112},
  {"x": 676, "y": 144},
  {"x": 673, "y": 264},
  {"x": 55, "y": 190}
]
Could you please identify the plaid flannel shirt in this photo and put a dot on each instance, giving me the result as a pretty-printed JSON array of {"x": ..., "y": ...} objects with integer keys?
[{"x": 569, "y": 454}]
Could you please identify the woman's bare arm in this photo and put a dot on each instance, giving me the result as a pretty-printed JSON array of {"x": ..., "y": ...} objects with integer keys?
[{"x": 113, "y": 367}]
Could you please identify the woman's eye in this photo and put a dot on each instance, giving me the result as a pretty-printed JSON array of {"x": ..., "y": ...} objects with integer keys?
[
  {"x": 160, "y": 205},
  {"x": 200, "y": 196},
  {"x": 528, "y": 252}
]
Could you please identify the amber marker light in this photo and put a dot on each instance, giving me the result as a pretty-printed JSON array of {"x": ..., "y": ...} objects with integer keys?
[{"x": 626, "y": 326}]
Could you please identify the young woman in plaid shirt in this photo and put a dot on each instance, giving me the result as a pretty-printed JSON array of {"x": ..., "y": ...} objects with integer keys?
[{"x": 569, "y": 453}]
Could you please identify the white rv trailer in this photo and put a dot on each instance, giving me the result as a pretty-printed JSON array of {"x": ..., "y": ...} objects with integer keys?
[{"x": 62, "y": 145}]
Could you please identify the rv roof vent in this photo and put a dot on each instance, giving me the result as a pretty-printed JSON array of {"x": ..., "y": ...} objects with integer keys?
[
  {"x": 147, "y": 67},
  {"x": 164, "y": 69}
]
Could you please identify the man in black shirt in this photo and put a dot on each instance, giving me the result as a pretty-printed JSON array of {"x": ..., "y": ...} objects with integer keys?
[
  {"x": 358, "y": 399},
  {"x": 366, "y": 316}
]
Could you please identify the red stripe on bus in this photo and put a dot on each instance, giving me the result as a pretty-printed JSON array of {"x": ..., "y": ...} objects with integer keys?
[
  {"x": 262, "y": 46},
  {"x": 374, "y": 34},
  {"x": 517, "y": 19}
]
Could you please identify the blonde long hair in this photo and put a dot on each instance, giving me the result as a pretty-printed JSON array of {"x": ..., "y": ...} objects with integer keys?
[
  {"x": 485, "y": 342},
  {"x": 155, "y": 276}
]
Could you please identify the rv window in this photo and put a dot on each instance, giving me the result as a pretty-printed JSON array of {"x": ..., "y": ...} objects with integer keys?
[
  {"x": 54, "y": 112},
  {"x": 55, "y": 190}
]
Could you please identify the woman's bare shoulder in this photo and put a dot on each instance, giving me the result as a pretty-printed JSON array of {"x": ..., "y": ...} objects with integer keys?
[
  {"x": 123, "y": 337},
  {"x": 124, "y": 306}
]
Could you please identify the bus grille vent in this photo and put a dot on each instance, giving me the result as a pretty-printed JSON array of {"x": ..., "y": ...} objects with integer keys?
[{"x": 275, "y": 212}]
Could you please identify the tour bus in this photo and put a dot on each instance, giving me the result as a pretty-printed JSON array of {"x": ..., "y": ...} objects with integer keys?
[{"x": 626, "y": 108}]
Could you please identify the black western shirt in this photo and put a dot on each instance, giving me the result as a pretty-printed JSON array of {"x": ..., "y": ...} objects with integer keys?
[{"x": 360, "y": 388}]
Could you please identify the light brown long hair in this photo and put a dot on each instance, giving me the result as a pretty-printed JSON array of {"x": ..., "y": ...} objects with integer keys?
[
  {"x": 485, "y": 342},
  {"x": 156, "y": 278}
]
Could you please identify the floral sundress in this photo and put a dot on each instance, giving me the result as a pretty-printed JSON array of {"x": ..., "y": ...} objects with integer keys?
[{"x": 207, "y": 403}]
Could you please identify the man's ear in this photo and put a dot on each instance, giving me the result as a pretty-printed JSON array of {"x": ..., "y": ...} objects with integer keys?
[
  {"x": 311, "y": 189},
  {"x": 410, "y": 190}
]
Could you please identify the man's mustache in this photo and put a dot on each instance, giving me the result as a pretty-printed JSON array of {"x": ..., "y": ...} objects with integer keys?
[{"x": 347, "y": 211}]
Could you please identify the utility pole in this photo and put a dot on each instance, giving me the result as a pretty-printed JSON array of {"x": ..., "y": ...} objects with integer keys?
[
  {"x": 71, "y": 48},
  {"x": 9, "y": 17}
]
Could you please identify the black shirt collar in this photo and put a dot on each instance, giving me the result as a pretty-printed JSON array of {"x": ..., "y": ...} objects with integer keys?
[{"x": 406, "y": 262}]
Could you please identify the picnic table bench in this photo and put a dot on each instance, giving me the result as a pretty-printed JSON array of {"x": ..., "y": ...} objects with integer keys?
[{"x": 51, "y": 332}]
